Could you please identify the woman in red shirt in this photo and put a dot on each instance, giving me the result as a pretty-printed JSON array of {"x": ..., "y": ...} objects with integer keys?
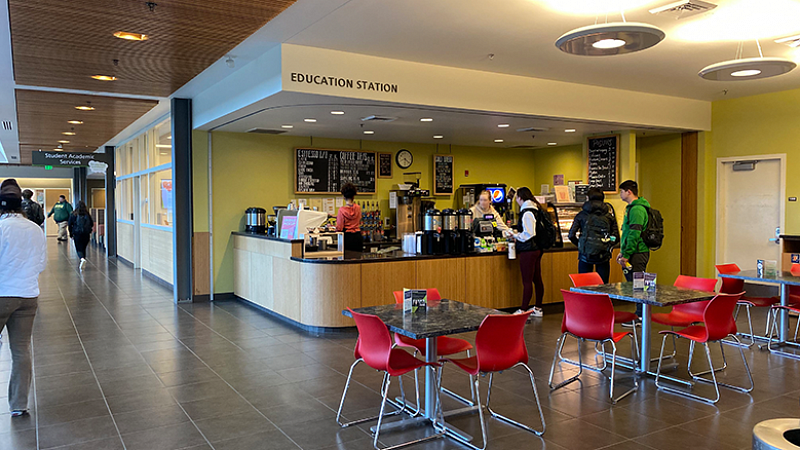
[{"x": 348, "y": 220}]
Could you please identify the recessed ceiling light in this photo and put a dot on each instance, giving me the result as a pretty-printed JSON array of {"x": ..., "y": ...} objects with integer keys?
[
  {"x": 503, "y": 125},
  {"x": 163, "y": 146},
  {"x": 58, "y": 149},
  {"x": 104, "y": 77},
  {"x": 309, "y": 120},
  {"x": 68, "y": 133},
  {"x": 369, "y": 132},
  {"x": 63, "y": 142},
  {"x": 85, "y": 108},
  {"x": 426, "y": 119},
  {"x": 747, "y": 69},
  {"x": 75, "y": 122},
  {"x": 569, "y": 130},
  {"x": 287, "y": 126},
  {"x": 610, "y": 39},
  {"x": 497, "y": 141},
  {"x": 552, "y": 143},
  {"x": 337, "y": 113},
  {"x": 438, "y": 136},
  {"x": 130, "y": 36}
]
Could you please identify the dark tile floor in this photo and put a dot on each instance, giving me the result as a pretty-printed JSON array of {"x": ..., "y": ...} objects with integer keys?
[{"x": 119, "y": 366}]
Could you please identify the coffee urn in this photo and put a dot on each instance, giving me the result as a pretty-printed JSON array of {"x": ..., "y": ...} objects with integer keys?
[
  {"x": 256, "y": 220},
  {"x": 464, "y": 238},
  {"x": 449, "y": 231},
  {"x": 432, "y": 235}
]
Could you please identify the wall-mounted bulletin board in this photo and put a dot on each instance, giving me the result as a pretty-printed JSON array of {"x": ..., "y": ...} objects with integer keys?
[
  {"x": 385, "y": 165},
  {"x": 603, "y": 162},
  {"x": 443, "y": 174},
  {"x": 325, "y": 171}
]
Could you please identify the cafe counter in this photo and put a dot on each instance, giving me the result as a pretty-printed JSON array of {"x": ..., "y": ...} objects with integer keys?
[{"x": 272, "y": 274}]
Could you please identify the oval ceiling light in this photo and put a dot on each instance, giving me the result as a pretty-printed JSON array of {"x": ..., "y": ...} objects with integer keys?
[
  {"x": 131, "y": 36},
  {"x": 607, "y": 39},
  {"x": 75, "y": 122},
  {"x": 438, "y": 136},
  {"x": 570, "y": 130},
  {"x": 369, "y": 132},
  {"x": 426, "y": 119},
  {"x": 337, "y": 113},
  {"x": 498, "y": 141},
  {"x": 104, "y": 78},
  {"x": 502, "y": 125},
  {"x": 310, "y": 120},
  {"x": 68, "y": 133},
  {"x": 747, "y": 69},
  {"x": 63, "y": 142},
  {"x": 552, "y": 143},
  {"x": 287, "y": 126},
  {"x": 85, "y": 108}
]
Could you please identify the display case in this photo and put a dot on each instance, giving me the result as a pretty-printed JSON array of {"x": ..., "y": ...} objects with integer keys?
[
  {"x": 566, "y": 213},
  {"x": 323, "y": 244}
]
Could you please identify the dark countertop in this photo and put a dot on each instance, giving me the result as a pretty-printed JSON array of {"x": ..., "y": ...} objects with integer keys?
[
  {"x": 790, "y": 237},
  {"x": 752, "y": 275},
  {"x": 664, "y": 295},
  {"x": 441, "y": 318},
  {"x": 264, "y": 236}
]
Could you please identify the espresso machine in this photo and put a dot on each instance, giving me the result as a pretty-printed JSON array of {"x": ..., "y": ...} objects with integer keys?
[
  {"x": 464, "y": 238},
  {"x": 449, "y": 231},
  {"x": 410, "y": 207},
  {"x": 432, "y": 243}
]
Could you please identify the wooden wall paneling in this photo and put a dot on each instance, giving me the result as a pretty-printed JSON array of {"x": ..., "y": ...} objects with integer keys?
[
  {"x": 327, "y": 289},
  {"x": 201, "y": 264},
  {"x": 286, "y": 293},
  {"x": 446, "y": 274},
  {"x": 379, "y": 280},
  {"x": 481, "y": 280},
  {"x": 689, "y": 204},
  {"x": 564, "y": 263}
]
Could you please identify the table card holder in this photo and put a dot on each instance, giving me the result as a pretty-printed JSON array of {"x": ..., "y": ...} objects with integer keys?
[
  {"x": 413, "y": 299},
  {"x": 770, "y": 268},
  {"x": 644, "y": 281},
  {"x": 638, "y": 281}
]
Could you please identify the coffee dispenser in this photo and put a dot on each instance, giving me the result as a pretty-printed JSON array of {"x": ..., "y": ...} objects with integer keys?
[
  {"x": 432, "y": 235},
  {"x": 464, "y": 237},
  {"x": 449, "y": 231}
]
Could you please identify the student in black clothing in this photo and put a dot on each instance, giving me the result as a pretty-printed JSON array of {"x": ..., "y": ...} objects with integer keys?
[
  {"x": 80, "y": 230},
  {"x": 595, "y": 232}
]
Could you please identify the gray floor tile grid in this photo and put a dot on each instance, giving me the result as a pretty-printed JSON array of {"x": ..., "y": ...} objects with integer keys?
[{"x": 118, "y": 365}]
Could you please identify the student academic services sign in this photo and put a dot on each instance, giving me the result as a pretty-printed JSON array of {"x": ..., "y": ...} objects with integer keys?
[{"x": 66, "y": 159}]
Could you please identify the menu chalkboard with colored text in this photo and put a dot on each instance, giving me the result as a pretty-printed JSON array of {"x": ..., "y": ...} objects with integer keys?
[
  {"x": 604, "y": 162},
  {"x": 324, "y": 171},
  {"x": 443, "y": 174}
]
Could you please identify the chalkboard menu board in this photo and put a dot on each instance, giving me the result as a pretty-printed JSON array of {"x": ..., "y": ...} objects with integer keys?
[
  {"x": 442, "y": 174},
  {"x": 384, "y": 165},
  {"x": 604, "y": 162},
  {"x": 322, "y": 171}
]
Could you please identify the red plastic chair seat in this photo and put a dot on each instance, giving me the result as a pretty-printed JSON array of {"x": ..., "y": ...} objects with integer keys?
[
  {"x": 617, "y": 336},
  {"x": 760, "y": 302},
  {"x": 675, "y": 319},
  {"x": 401, "y": 362},
  {"x": 445, "y": 345},
  {"x": 695, "y": 333},
  {"x": 624, "y": 317},
  {"x": 468, "y": 365}
]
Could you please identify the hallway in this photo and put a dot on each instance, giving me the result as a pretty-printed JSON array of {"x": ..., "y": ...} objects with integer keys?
[{"x": 119, "y": 366}]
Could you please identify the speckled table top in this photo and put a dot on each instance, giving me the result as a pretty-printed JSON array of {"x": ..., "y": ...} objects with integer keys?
[
  {"x": 752, "y": 275},
  {"x": 664, "y": 295},
  {"x": 441, "y": 318}
]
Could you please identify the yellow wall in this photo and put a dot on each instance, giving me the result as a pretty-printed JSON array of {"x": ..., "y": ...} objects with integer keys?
[
  {"x": 200, "y": 180},
  {"x": 567, "y": 161},
  {"x": 756, "y": 125},
  {"x": 659, "y": 161},
  {"x": 257, "y": 170}
]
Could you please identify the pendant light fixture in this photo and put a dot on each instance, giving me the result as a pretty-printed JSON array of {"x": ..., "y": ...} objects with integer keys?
[
  {"x": 739, "y": 69},
  {"x": 606, "y": 39}
]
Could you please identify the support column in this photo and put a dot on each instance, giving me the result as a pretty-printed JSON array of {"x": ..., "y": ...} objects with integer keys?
[
  {"x": 79, "y": 185},
  {"x": 111, "y": 210},
  {"x": 689, "y": 204},
  {"x": 182, "y": 197}
]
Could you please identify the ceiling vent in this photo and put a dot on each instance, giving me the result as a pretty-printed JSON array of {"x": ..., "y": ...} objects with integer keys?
[
  {"x": 528, "y": 129},
  {"x": 377, "y": 118},
  {"x": 7, "y": 125},
  {"x": 684, "y": 8},
  {"x": 265, "y": 131},
  {"x": 791, "y": 41}
]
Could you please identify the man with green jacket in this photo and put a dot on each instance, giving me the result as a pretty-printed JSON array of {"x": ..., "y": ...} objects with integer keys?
[
  {"x": 634, "y": 253},
  {"x": 60, "y": 213}
]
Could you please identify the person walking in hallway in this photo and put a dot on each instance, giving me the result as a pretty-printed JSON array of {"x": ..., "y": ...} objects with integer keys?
[
  {"x": 634, "y": 253},
  {"x": 61, "y": 212},
  {"x": 530, "y": 256},
  {"x": 33, "y": 210},
  {"x": 80, "y": 230},
  {"x": 22, "y": 258},
  {"x": 594, "y": 231}
]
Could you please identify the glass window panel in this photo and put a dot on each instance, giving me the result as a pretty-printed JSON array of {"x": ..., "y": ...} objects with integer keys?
[
  {"x": 118, "y": 200},
  {"x": 161, "y": 199},
  {"x": 145, "y": 199},
  {"x": 162, "y": 139}
]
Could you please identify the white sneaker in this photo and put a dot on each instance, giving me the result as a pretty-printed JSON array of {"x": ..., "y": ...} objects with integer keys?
[
  {"x": 537, "y": 312},
  {"x": 519, "y": 311},
  {"x": 83, "y": 263}
]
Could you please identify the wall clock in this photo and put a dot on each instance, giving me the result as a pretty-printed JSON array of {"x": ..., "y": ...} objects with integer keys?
[{"x": 404, "y": 158}]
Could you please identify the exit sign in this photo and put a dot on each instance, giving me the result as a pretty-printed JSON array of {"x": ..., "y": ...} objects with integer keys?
[{"x": 48, "y": 167}]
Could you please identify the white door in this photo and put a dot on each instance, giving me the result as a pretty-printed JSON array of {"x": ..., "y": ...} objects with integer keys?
[{"x": 749, "y": 210}]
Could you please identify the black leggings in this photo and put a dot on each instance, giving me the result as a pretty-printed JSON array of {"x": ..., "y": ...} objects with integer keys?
[
  {"x": 81, "y": 241},
  {"x": 530, "y": 264},
  {"x": 603, "y": 269}
]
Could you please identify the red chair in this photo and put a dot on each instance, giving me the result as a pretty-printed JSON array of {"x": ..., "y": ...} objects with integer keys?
[
  {"x": 375, "y": 348},
  {"x": 590, "y": 317},
  {"x": 445, "y": 345},
  {"x": 793, "y": 308},
  {"x": 689, "y": 313},
  {"x": 500, "y": 345},
  {"x": 734, "y": 286},
  {"x": 719, "y": 324}
]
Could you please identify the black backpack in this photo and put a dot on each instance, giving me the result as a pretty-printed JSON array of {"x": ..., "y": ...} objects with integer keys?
[
  {"x": 595, "y": 240},
  {"x": 546, "y": 231},
  {"x": 33, "y": 211},
  {"x": 653, "y": 233},
  {"x": 83, "y": 225}
]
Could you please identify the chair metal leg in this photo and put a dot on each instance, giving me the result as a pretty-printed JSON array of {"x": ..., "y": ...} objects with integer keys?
[
  {"x": 559, "y": 346},
  {"x": 511, "y": 421},
  {"x": 459, "y": 397},
  {"x": 741, "y": 389},
  {"x": 611, "y": 379},
  {"x": 366, "y": 419},
  {"x": 481, "y": 417},
  {"x": 387, "y": 382},
  {"x": 706, "y": 372},
  {"x": 587, "y": 367},
  {"x": 686, "y": 393}
]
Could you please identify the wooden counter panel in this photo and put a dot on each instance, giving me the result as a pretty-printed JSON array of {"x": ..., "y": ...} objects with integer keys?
[
  {"x": 286, "y": 288},
  {"x": 327, "y": 289},
  {"x": 447, "y": 275},
  {"x": 564, "y": 264},
  {"x": 241, "y": 273},
  {"x": 616, "y": 275},
  {"x": 481, "y": 280},
  {"x": 379, "y": 280},
  {"x": 261, "y": 285},
  {"x": 508, "y": 283}
]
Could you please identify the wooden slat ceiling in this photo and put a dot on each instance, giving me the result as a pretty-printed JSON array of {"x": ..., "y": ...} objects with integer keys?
[
  {"x": 61, "y": 44},
  {"x": 43, "y": 117}
]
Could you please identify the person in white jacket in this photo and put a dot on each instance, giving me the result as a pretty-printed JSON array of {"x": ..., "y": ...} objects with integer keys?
[{"x": 23, "y": 257}]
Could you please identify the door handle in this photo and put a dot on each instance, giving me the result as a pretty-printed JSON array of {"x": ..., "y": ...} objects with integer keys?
[{"x": 777, "y": 238}]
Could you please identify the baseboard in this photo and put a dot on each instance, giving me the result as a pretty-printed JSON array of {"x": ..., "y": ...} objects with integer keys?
[
  {"x": 157, "y": 279},
  {"x": 288, "y": 321},
  {"x": 124, "y": 261}
]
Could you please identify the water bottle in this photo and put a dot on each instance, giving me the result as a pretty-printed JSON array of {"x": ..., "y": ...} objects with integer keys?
[{"x": 512, "y": 250}]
